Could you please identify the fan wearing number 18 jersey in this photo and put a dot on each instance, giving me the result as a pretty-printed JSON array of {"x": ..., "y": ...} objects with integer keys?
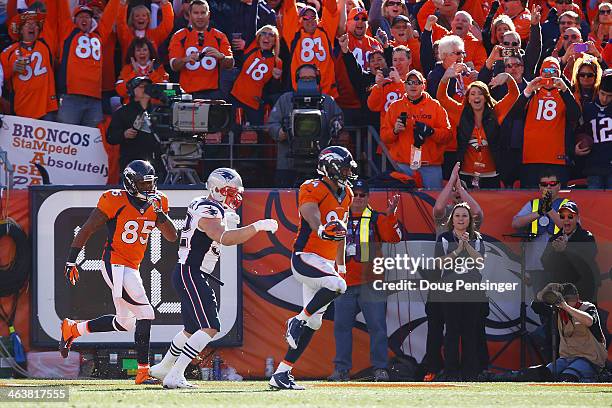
[
  {"x": 130, "y": 215},
  {"x": 323, "y": 205},
  {"x": 202, "y": 236}
]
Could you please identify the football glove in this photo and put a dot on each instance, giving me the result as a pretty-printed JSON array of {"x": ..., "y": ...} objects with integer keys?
[
  {"x": 71, "y": 272},
  {"x": 155, "y": 201},
  {"x": 332, "y": 231},
  {"x": 266, "y": 225},
  {"x": 231, "y": 218}
]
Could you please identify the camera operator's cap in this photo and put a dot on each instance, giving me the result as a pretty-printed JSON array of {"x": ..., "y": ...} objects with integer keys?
[
  {"x": 355, "y": 11},
  {"x": 362, "y": 185},
  {"x": 305, "y": 9},
  {"x": 606, "y": 82},
  {"x": 19, "y": 19},
  {"x": 134, "y": 82},
  {"x": 400, "y": 19},
  {"x": 570, "y": 206}
]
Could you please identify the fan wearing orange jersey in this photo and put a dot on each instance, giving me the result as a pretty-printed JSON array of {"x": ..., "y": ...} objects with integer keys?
[
  {"x": 28, "y": 67},
  {"x": 137, "y": 25},
  {"x": 260, "y": 73},
  {"x": 79, "y": 79},
  {"x": 323, "y": 206},
  {"x": 403, "y": 34},
  {"x": 141, "y": 60},
  {"x": 390, "y": 89},
  {"x": 416, "y": 129},
  {"x": 310, "y": 41},
  {"x": 130, "y": 216},
  {"x": 199, "y": 52},
  {"x": 519, "y": 14},
  {"x": 550, "y": 113},
  {"x": 446, "y": 10}
]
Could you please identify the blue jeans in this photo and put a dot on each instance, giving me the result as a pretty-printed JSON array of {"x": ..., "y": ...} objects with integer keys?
[
  {"x": 80, "y": 110},
  {"x": 599, "y": 182},
  {"x": 432, "y": 175},
  {"x": 374, "y": 308},
  {"x": 578, "y": 367}
]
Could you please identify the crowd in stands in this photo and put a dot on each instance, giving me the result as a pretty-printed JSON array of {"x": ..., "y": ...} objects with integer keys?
[{"x": 506, "y": 88}]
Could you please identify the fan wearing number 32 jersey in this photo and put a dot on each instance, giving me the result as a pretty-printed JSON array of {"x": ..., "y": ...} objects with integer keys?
[
  {"x": 130, "y": 215},
  {"x": 202, "y": 236}
]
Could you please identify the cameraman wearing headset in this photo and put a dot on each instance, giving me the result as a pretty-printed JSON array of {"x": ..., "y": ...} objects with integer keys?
[
  {"x": 129, "y": 130},
  {"x": 582, "y": 345},
  {"x": 279, "y": 124}
]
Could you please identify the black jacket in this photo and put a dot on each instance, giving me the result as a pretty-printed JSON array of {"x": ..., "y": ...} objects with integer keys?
[
  {"x": 144, "y": 147},
  {"x": 599, "y": 161},
  {"x": 465, "y": 129},
  {"x": 575, "y": 264}
]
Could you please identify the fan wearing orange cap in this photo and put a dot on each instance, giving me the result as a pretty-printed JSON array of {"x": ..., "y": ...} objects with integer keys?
[
  {"x": 28, "y": 67},
  {"x": 79, "y": 79},
  {"x": 550, "y": 113}
]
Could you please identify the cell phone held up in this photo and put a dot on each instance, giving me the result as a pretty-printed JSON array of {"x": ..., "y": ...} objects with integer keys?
[
  {"x": 508, "y": 52},
  {"x": 548, "y": 82},
  {"x": 581, "y": 47},
  {"x": 385, "y": 72},
  {"x": 403, "y": 117}
]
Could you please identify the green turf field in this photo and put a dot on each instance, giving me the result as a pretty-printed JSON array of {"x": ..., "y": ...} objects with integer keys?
[{"x": 107, "y": 393}]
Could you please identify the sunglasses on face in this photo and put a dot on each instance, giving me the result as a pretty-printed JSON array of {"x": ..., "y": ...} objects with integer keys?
[
  {"x": 459, "y": 53},
  {"x": 358, "y": 18},
  {"x": 361, "y": 195},
  {"x": 564, "y": 1},
  {"x": 394, "y": 3},
  {"x": 586, "y": 75},
  {"x": 511, "y": 65},
  {"x": 573, "y": 37},
  {"x": 309, "y": 17},
  {"x": 511, "y": 43},
  {"x": 267, "y": 34},
  {"x": 548, "y": 183},
  {"x": 509, "y": 1},
  {"x": 608, "y": 11},
  {"x": 414, "y": 82},
  {"x": 566, "y": 217}
]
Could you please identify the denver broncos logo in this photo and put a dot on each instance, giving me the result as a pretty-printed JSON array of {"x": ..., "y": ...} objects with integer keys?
[{"x": 266, "y": 269}]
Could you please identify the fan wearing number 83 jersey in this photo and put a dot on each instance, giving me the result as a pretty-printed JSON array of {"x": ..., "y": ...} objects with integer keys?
[{"x": 130, "y": 216}]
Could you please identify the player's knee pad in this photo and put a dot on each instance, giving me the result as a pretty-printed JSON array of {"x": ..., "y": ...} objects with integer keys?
[
  {"x": 315, "y": 321},
  {"x": 144, "y": 312},
  {"x": 127, "y": 323},
  {"x": 335, "y": 284}
]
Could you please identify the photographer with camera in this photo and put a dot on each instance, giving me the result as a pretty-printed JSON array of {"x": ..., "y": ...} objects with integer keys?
[
  {"x": 302, "y": 118},
  {"x": 130, "y": 128},
  {"x": 199, "y": 52},
  {"x": 570, "y": 254},
  {"x": 540, "y": 218},
  {"x": 582, "y": 345}
]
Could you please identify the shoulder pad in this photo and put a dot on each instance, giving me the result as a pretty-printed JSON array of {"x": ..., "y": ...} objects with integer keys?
[
  {"x": 206, "y": 208},
  {"x": 115, "y": 192}
]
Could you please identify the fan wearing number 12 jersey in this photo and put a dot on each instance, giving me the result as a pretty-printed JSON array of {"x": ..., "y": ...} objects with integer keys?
[{"x": 130, "y": 215}]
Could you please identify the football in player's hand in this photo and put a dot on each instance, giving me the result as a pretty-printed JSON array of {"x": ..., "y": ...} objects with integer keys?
[{"x": 334, "y": 231}]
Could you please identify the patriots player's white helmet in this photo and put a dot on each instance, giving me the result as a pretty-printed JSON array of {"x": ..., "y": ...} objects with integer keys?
[{"x": 225, "y": 187}]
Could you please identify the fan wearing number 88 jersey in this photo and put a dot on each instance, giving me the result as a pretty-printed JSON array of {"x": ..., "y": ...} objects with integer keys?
[{"x": 130, "y": 215}]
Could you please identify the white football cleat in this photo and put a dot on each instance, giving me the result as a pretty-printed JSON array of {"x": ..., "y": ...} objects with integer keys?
[
  {"x": 175, "y": 380},
  {"x": 159, "y": 371}
]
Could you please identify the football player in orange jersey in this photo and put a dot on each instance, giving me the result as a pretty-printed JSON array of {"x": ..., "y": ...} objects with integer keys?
[
  {"x": 28, "y": 67},
  {"x": 199, "y": 52},
  {"x": 130, "y": 215},
  {"x": 260, "y": 74},
  {"x": 137, "y": 25},
  {"x": 310, "y": 40},
  {"x": 79, "y": 79},
  {"x": 323, "y": 207}
]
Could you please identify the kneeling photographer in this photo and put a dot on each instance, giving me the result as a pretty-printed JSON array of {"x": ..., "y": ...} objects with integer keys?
[
  {"x": 130, "y": 130},
  {"x": 302, "y": 123},
  {"x": 582, "y": 346}
]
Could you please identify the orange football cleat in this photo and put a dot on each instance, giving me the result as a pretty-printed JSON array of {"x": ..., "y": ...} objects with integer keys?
[
  {"x": 429, "y": 377},
  {"x": 143, "y": 377},
  {"x": 69, "y": 334}
]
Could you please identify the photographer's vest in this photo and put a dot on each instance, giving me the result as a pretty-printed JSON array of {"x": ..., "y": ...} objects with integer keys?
[
  {"x": 538, "y": 229},
  {"x": 362, "y": 234},
  {"x": 578, "y": 341}
]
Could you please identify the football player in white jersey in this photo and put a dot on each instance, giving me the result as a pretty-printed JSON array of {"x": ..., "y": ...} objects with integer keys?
[{"x": 200, "y": 247}]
